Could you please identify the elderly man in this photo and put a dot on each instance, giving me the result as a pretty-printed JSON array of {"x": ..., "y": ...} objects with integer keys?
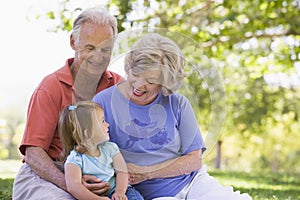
[{"x": 80, "y": 78}]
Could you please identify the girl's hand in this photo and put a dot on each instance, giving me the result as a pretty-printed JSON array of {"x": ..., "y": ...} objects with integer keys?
[{"x": 119, "y": 196}]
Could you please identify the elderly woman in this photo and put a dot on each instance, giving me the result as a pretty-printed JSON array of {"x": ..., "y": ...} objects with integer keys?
[{"x": 156, "y": 129}]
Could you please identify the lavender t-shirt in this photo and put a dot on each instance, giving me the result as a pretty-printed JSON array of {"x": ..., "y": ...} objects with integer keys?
[{"x": 151, "y": 134}]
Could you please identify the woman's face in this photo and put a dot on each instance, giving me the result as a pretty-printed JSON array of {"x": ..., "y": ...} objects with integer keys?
[{"x": 144, "y": 86}]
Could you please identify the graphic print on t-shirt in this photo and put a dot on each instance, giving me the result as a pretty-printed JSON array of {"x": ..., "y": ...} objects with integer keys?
[{"x": 141, "y": 123}]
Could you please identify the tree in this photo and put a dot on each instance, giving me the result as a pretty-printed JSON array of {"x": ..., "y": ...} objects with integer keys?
[{"x": 15, "y": 118}]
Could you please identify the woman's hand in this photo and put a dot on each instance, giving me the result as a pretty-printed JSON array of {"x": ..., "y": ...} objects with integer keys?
[
  {"x": 95, "y": 185},
  {"x": 137, "y": 173},
  {"x": 175, "y": 167}
]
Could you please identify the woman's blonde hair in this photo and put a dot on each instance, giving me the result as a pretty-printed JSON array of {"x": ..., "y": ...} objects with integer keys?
[
  {"x": 154, "y": 51},
  {"x": 73, "y": 122}
]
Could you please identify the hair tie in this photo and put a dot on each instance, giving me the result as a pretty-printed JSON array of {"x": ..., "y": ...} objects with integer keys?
[{"x": 72, "y": 107}]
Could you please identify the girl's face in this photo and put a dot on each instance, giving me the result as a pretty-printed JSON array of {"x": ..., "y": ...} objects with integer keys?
[
  {"x": 144, "y": 86},
  {"x": 100, "y": 128}
]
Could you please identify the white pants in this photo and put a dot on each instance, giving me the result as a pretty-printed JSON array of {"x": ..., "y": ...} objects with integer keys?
[
  {"x": 205, "y": 187},
  {"x": 28, "y": 185}
]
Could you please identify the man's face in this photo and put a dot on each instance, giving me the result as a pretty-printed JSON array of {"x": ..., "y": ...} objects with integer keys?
[{"x": 93, "y": 50}]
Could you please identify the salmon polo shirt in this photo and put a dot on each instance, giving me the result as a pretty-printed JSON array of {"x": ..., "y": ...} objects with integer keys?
[{"x": 54, "y": 93}]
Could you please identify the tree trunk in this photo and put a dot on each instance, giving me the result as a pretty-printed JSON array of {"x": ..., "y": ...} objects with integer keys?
[{"x": 218, "y": 157}]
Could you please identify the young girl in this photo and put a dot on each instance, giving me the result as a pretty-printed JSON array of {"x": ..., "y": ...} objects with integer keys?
[{"x": 86, "y": 150}]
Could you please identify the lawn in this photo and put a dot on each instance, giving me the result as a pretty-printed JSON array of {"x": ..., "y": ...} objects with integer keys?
[
  {"x": 261, "y": 186},
  {"x": 6, "y": 188}
]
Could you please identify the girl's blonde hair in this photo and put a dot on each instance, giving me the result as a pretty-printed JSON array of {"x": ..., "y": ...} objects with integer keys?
[
  {"x": 154, "y": 51},
  {"x": 74, "y": 122}
]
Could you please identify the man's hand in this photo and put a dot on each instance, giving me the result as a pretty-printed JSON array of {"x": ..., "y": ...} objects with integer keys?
[{"x": 95, "y": 185}]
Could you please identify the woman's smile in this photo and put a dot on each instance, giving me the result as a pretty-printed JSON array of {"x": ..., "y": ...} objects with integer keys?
[{"x": 138, "y": 92}]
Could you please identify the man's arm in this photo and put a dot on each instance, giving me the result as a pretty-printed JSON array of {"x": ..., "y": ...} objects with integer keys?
[{"x": 43, "y": 165}]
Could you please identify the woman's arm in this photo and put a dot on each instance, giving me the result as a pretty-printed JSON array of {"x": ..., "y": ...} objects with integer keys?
[
  {"x": 121, "y": 177},
  {"x": 74, "y": 184},
  {"x": 171, "y": 168}
]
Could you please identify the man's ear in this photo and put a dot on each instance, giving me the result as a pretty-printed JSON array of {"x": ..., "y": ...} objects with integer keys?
[{"x": 72, "y": 42}]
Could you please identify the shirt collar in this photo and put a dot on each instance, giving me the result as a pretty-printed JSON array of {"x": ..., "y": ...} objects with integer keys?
[{"x": 65, "y": 75}]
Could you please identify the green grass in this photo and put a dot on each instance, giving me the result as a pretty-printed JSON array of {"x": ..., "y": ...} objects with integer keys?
[
  {"x": 6, "y": 188},
  {"x": 261, "y": 186},
  {"x": 8, "y": 170}
]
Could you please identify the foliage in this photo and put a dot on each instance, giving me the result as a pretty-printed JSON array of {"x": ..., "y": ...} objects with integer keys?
[
  {"x": 248, "y": 42},
  {"x": 12, "y": 131}
]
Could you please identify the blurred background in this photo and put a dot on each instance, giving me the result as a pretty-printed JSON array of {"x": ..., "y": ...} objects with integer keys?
[{"x": 244, "y": 57}]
